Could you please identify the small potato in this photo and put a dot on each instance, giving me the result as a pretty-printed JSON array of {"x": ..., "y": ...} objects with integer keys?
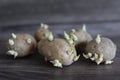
[
  {"x": 80, "y": 38},
  {"x": 20, "y": 45},
  {"x": 41, "y": 32},
  {"x": 58, "y": 52},
  {"x": 101, "y": 50}
]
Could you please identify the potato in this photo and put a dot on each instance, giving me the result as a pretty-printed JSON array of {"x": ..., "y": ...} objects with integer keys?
[
  {"x": 41, "y": 32},
  {"x": 58, "y": 52},
  {"x": 20, "y": 45},
  {"x": 101, "y": 50},
  {"x": 80, "y": 38}
]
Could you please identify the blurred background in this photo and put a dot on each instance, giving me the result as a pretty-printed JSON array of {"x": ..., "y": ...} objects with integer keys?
[{"x": 21, "y": 12}]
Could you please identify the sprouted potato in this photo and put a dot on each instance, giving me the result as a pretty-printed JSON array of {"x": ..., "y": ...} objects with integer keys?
[
  {"x": 58, "y": 51},
  {"x": 100, "y": 50},
  {"x": 79, "y": 38},
  {"x": 20, "y": 45},
  {"x": 41, "y": 32}
]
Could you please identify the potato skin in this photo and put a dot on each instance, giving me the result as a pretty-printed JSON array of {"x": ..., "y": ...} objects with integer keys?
[
  {"x": 83, "y": 39},
  {"x": 40, "y": 33},
  {"x": 106, "y": 47},
  {"x": 57, "y": 49},
  {"x": 21, "y": 46},
  {"x": 82, "y": 36}
]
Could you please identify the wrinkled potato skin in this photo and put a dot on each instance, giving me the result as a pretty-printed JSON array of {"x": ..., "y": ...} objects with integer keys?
[
  {"x": 83, "y": 39},
  {"x": 40, "y": 34},
  {"x": 106, "y": 47},
  {"x": 21, "y": 45},
  {"x": 57, "y": 49}
]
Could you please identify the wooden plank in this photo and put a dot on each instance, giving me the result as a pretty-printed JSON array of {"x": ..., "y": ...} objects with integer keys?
[{"x": 14, "y": 12}]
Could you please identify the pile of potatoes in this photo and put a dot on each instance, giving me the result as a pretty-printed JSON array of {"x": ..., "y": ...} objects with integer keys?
[{"x": 62, "y": 52}]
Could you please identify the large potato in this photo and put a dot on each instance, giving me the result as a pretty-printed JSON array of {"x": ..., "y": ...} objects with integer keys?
[
  {"x": 20, "y": 45},
  {"x": 58, "y": 51},
  {"x": 101, "y": 50}
]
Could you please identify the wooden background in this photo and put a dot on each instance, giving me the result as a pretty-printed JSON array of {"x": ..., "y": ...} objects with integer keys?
[{"x": 24, "y": 16}]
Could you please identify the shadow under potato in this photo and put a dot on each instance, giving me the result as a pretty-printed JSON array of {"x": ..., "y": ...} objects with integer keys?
[{"x": 80, "y": 48}]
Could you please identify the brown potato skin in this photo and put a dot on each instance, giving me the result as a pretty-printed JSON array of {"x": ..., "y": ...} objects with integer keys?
[
  {"x": 106, "y": 47},
  {"x": 21, "y": 45},
  {"x": 57, "y": 49},
  {"x": 40, "y": 34},
  {"x": 83, "y": 39}
]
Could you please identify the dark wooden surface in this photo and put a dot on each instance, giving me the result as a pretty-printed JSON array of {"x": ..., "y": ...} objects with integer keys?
[{"x": 24, "y": 16}]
